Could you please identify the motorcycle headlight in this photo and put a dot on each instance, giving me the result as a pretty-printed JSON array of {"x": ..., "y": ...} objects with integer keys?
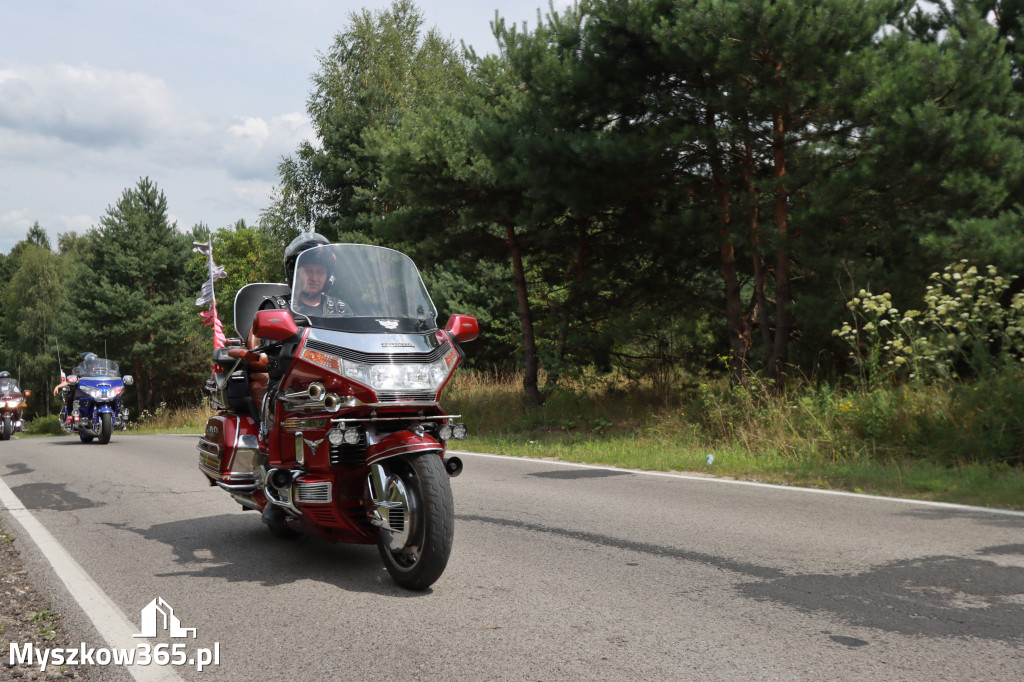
[
  {"x": 399, "y": 377},
  {"x": 411, "y": 376},
  {"x": 14, "y": 403},
  {"x": 92, "y": 391}
]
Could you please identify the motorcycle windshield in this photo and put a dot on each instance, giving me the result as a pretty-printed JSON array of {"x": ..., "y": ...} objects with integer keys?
[
  {"x": 361, "y": 288},
  {"x": 8, "y": 386},
  {"x": 100, "y": 368}
]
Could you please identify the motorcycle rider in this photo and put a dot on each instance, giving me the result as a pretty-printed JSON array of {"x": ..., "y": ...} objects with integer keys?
[
  {"x": 7, "y": 384},
  {"x": 87, "y": 365},
  {"x": 314, "y": 275}
]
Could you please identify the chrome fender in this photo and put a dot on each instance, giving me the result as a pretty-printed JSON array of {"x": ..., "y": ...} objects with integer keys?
[{"x": 401, "y": 443}]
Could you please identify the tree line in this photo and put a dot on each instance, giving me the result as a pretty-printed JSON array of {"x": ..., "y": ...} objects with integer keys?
[{"x": 650, "y": 186}]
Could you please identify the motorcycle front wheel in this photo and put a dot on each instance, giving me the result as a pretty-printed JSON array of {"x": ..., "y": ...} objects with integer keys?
[
  {"x": 8, "y": 428},
  {"x": 416, "y": 548},
  {"x": 106, "y": 428}
]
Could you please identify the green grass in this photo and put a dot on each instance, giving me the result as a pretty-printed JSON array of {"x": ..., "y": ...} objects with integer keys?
[
  {"x": 950, "y": 443},
  {"x": 973, "y": 484}
]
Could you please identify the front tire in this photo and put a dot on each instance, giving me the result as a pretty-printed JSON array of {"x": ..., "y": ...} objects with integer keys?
[
  {"x": 106, "y": 428},
  {"x": 7, "y": 429},
  {"x": 416, "y": 556}
]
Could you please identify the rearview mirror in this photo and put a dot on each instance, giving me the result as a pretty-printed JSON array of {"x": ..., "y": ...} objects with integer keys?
[
  {"x": 128, "y": 379},
  {"x": 276, "y": 325},
  {"x": 463, "y": 327}
]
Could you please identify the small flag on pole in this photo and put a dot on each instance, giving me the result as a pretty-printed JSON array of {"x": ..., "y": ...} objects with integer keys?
[
  {"x": 210, "y": 319},
  {"x": 206, "y": 294}
]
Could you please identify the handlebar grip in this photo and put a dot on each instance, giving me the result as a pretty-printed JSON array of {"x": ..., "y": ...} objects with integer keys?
[{"x": 253, "y": 358}]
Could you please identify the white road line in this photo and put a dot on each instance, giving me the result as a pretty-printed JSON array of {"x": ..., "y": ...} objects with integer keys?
[
  {"x": 731, "y": 481},
  {"x": 112, "y": 625}
]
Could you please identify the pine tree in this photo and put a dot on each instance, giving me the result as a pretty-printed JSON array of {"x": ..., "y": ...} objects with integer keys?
[{"x": 129, "y": 297}]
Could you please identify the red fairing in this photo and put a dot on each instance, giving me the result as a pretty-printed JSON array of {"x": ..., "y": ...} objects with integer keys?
[
  {"x": 463, "y": 327},
  {"x": 400, "y": 443}
]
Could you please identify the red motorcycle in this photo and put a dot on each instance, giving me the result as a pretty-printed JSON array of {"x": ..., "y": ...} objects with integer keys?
[
  {"x": 329, "y": 421},
  {"x": 12, "y": 404}
]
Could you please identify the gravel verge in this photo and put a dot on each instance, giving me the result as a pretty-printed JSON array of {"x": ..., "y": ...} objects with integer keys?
[{"x": 27, "y": 616}]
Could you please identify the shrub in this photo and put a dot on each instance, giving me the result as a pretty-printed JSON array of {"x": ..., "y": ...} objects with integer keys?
[
  {"x": 48, "y": 425},
  {"x": 967, "y": 324}
]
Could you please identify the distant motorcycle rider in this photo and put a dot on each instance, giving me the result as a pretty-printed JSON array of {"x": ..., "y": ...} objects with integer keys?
[
  {"x": 8, "y": 384},
  {"x": 87, "y": 365}
]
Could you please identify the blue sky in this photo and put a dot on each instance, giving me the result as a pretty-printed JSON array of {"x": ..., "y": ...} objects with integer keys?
[{"x": 202, "y": 97}]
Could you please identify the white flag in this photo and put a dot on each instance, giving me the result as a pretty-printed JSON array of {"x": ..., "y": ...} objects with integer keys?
[{"x": 206, "y": 294}]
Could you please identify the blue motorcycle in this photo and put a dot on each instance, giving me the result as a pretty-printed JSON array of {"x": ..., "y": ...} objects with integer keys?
[{"x": 96, "y": 410}]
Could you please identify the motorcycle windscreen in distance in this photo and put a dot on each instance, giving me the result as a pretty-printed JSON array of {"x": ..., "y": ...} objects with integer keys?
[
  {"x": 9, "y": 386},
  {"x": 99, "y": 368},
  {"x": 361, "y": 288}
]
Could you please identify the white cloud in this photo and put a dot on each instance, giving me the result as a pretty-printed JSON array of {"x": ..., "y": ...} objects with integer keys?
[
  {"x": 252, "y": 147},
  {"x": 113, "y": 120},
  {"x": 16, "y": 217},
  {"x": 252, "y": 130},
  {"x": 77, "y": 223},
  {"x": 86, "y": 106},
  {"x": 14, "y": 225}
]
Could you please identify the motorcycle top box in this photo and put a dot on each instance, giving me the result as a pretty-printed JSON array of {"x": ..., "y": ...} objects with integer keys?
[{"x": 330, "y": 422}]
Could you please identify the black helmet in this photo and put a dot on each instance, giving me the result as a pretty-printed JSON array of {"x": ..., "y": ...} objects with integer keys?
[
  {"x": 5, "y": 375},
  {"x": 301, "y": 243}
]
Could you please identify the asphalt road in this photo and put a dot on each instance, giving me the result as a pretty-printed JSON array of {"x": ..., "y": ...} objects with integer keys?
[{"x": 558, "y": 572}]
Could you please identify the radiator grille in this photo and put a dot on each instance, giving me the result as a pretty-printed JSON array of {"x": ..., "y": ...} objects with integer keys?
[
  {"x": 346, "y": 455},
  {"x": 313, "y": 493},
  {"x": 325, "y": 516},
  {"x": 407, "y": 396}
]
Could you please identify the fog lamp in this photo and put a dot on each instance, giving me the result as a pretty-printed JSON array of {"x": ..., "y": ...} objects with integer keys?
[
  {"x": 445, "y": 432},
  {"x": 335, "y": 436},
  {"x": 352, "y": 435},
  {"x": 459, "y": 431}
]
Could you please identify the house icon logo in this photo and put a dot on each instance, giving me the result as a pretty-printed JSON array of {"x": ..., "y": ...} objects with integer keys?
[{"x": 158, "y": 615}]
